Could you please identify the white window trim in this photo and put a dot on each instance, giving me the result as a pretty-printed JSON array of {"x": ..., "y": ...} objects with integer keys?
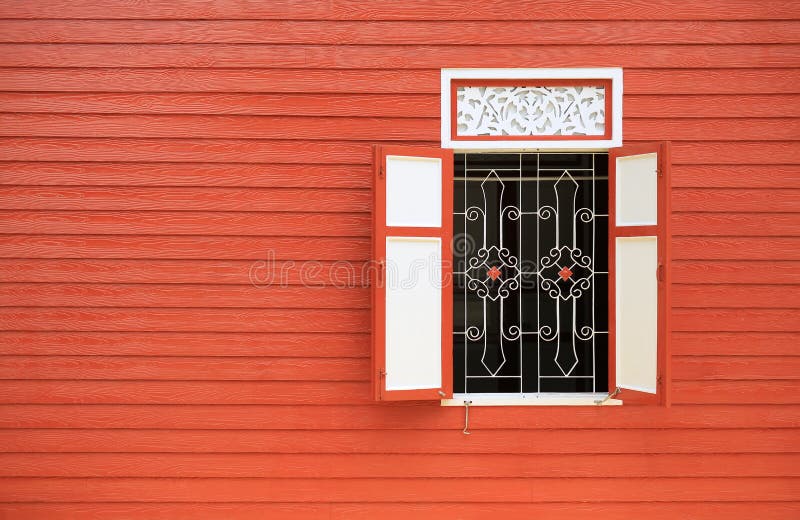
[
  {"x": 533, "y": 399},
  {"x": 612, "y": 73}
]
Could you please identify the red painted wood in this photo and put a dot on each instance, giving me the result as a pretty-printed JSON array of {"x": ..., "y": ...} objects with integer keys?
[
  {"x": 401, "y": 510},
  {"x": 305, "y": 104},
  {"x": 415, "y": 416},
  {"x": 393, "y": 57},
  {"x": 411, "y": 10},
  {"x": 739, "y": 296},
  {"x": 185, "y": 198},
  {"x": 714, "y": 343},
  {"x": 171, "y": 343},
  {"x": 511, "y": 442},
  {"x": 185, "y": 223},
  {"x": 455, "y": 32},
  {"x": 253, "y": 465},
  {"x": 154, "y": 153},
  {"x": 261, "y": 273},
  {"x": 376, "y": 490},
  {"x": 183, "y": 319},
  {"x": 185, "y": 174},
  {"x": 699, "y": 368},
  {"x": 556, "y": 511},
  {"x": 256, "y": 249},
  {"x": 750, "y": 176},
  {"x": 183, "y": 369},
  {"x": 725, "y": 224}
]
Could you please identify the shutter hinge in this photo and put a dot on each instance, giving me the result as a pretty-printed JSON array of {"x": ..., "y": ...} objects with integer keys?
[
  {"x": 381, "y": 172},
  {"x": 660, "y": 272},
  {"x": 381, "y": 381},
  {"x": 659, "y": 172}
]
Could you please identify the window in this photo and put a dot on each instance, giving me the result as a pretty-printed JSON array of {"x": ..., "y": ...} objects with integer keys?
[
  {"x": 520, "y": 273},
  {"x": 530, "y": 276}
]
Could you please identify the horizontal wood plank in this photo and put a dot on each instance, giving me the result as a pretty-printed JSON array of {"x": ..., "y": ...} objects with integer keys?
[
  {"x": 181, "y": 199},
  {"x": 726, "y": 224},
  {"x": 170, "y": 343},
  {"x": 452, "y": 32},
  {"x": 394, "y": 57},
  {"x": 184, "y": 392},
  {"x": 408, "y": 416},
  {"x": 185, "y": 174},
  {"x": 736, "y": 200},
  {"x": 185, "y": 150},
  {"x": 304, "y": 104},
  {"x": 736, "y": 248},
  {"x": 263, "y": 273},
  {"x": 401, "y": 441},
  {"x": 765, "y": 343},
  {"x": 142, "y": 368},
  {"x": 376, "y": 490},
  {"x": 399, "y": 511},
  {"x": 750, "y": 176},
  {"x": 188, "y": 223},
  {"x": 261, "y": 249},
  {"x": 253, "y": 465},
  {"x": 651, "y": 511},
  {"x": 731, "y": 320},
  {"x": 702, "y": 368},
  {"x": 410, "y": 10},
  {"x": 390, "y": 81},
  {"x": 736, "y": 296},
  {"x": 736, "y": 272},
  {"x": 732, "y": 392},
  {"x": 184, "y": 319},
  {"x": 184, "y": 296}
]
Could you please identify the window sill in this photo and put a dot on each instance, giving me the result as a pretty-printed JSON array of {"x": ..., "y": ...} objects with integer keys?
[{"x": 554, "y": 399}]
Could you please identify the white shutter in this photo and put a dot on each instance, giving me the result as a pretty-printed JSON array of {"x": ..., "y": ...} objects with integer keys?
[
  {"x": 412, "y": 296},
  {"x": 638, "y": 266}
]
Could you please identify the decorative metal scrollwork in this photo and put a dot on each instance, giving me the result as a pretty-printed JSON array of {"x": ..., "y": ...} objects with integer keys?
[{"x": 556, "y": 276}]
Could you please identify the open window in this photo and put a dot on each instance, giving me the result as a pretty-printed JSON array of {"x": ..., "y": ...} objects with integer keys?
[
  {"x": 558, "y": 278},
  {"x": 531, "y": 269}
]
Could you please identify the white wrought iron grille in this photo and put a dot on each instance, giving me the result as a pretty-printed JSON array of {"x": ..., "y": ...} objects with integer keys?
[
  {"x": 530, "y": 111},
  {"x": 531, "y": 275}
]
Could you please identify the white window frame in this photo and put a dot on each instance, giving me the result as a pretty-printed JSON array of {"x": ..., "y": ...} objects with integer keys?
[
  {"x": 576, "y": 146},
  {"x": 612, "y": 73}
]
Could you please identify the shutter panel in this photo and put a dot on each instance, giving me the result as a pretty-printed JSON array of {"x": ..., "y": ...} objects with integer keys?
[
  {"x": 412, "y": 299},
  {"x": 638, "y": 269}
]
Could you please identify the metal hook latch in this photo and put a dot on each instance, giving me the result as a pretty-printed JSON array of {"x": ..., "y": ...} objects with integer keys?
[
  {"x": 466, "y": 431},
  {"x": 609, "y": 396}
]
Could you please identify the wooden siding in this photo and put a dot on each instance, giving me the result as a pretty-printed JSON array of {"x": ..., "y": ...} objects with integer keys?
[{"x": 154, "y": 153}]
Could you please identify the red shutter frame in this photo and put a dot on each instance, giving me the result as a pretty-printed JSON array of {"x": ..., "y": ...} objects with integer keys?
[
  {"x": 662, "y": 231},
  {"x": 378, "y": 271}
]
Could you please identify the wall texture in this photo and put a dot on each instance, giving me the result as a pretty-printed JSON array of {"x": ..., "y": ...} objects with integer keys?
[{"x": 155, "y": 152}]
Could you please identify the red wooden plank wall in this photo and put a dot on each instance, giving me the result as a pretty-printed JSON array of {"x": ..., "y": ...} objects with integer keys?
[{"x": 154, "y": 152}]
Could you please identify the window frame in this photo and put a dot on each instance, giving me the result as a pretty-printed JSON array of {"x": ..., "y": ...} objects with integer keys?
[{"x": 579, "y": 145}]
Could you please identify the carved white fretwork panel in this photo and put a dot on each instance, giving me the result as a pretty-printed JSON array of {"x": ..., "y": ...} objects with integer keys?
[
  {"x": 513, "y": 109},
  {"x": 531, "y": 111}
]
